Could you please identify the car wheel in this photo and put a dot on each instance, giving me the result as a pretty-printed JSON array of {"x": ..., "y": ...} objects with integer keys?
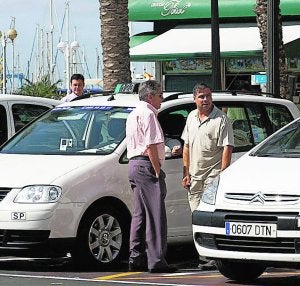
[
  {"x": 240, "y": 271},
  {"x": 102, "y": 239}
]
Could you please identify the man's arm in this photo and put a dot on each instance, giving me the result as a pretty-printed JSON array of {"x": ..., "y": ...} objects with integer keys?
[
  {"x": 186, "y": 165},
  {"x": 226, "y": 157},
  {"x": 174, "y": 145},
  {"x": 153, "y": 156}
]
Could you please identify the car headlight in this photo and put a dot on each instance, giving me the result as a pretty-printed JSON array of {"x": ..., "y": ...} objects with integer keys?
[
  {"x": 210, "y": 192},
  {"x": 38, "y": 194}
]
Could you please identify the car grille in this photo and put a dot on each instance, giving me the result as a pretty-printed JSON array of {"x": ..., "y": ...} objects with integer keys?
[
  {"x": 266, "y": 245},
  {"x": 284, "y": 222},
  {"x": 3, "y": 193},
  {"x": 21, "y": 238},
  {"x": 265, "y": 199}
]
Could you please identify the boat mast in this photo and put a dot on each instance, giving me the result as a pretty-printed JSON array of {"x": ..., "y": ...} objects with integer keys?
[
  {"x": 67, "y": 47},
  {"x": 51, "y": 43}
]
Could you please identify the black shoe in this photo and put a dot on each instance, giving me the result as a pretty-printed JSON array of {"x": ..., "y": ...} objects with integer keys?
[
  {"x": 167, "y": 269},
  {"x": 137, "y": 267}
]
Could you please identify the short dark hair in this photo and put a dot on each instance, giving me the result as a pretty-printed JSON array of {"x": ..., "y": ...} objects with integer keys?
[
  {"x": 200, "y": 86},
  {"x": 146, "y": 87},
  {"x": 77, "y": 76}
]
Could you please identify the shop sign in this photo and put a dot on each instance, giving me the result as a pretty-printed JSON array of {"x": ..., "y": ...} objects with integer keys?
[
  {"x": 189, "y": 66},
  {"x": 172, "y": 7},
  {"x": 257, "y": 79},
  {"x": 235, "y": 65}
]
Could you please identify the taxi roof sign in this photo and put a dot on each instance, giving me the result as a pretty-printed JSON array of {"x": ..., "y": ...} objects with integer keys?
[{"x": 127, "y": 87}]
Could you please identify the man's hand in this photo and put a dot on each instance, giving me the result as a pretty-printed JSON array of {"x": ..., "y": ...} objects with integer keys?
[
  {"x": 186, "y": 182},
  {"x": 177, "y": 151},
  {"x": 153, "y": 156}
]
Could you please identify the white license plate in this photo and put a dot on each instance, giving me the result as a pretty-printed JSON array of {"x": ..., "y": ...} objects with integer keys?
[
  {"x": 250, "y": 229},
  {"x": 18, "y": 216}
]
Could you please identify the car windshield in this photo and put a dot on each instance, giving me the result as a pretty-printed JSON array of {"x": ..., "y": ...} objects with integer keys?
[
  {"x": 286, "y": 143},
  {"x": 72, "y": 130}
]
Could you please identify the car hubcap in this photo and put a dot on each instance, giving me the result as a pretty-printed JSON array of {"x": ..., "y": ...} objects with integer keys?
[{"x": 105, "y": 238}]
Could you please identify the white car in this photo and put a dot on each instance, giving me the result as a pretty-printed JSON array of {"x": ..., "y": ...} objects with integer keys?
[
  {"x": 18, "y": 110},
  {"x": 63, "y": 178},
  {"x": 249, "y": 217}
]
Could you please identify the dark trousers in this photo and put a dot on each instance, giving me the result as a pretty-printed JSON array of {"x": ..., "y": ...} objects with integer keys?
[{"x": 148, "y": 233}]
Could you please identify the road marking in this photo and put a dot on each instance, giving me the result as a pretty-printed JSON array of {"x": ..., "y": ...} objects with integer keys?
[
  {"x": 172, "y": 277},
  {"x": 148, "y": 283},
  {"x": 266, "y": 274},
  {"x": 114, "y": 282},
  {"x": 109, "y": 277},
  {"x": 46, "y": 277},
  {"x": 280, "y": 273}
]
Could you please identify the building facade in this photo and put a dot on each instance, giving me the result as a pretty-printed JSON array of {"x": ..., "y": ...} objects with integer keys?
[{"x": 180, "y": 43}]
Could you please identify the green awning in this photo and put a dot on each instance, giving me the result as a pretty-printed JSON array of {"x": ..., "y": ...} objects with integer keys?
[
  {"x": 194, "y": 41},
  {"x": 152, "y": 10},
  {"x": 140, "y": 39},
  {"x": 171, "y": 57}
]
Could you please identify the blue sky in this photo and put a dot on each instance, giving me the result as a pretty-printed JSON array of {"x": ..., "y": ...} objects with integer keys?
[{"x": 33, "y": 15}]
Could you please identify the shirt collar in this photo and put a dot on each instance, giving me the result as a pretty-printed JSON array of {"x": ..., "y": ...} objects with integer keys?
[
  {"x": 213, "y": 112},
  {"x": 148, "y": 105}
]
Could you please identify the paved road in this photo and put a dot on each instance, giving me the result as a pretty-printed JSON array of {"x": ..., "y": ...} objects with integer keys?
[
  {"x": 42, "y": 272},
  {"x": 184, "y": 277}
]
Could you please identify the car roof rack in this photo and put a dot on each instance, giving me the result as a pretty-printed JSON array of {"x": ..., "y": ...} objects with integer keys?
[
  {"x": 174, "y": 96},
  {"x": 88, "y": 95},
  {"x": 177, "y": 95},
  {"x": 244, "y": 92}
]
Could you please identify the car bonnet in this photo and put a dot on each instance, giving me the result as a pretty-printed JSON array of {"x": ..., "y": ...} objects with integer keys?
[{"x": 18, "y": 170}]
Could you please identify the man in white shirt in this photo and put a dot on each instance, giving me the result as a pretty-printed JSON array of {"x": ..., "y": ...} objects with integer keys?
[
  {"x": 76, "y": 85},
  {"x": 208, "y": 144},
  {"x": 146, "y": 153}
]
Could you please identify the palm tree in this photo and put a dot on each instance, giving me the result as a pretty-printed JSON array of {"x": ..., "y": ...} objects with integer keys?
[
  {"x": 115, "y": 42},
  {"x": 42, "y": 88},
  {"x": 261, "y": 18}
]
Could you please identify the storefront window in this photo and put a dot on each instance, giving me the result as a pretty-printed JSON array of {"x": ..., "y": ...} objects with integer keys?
[{"x": 293, "y": 64}]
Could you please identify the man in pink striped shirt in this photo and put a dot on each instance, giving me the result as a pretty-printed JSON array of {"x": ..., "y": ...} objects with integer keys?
[{"x": 146, "y": 153}]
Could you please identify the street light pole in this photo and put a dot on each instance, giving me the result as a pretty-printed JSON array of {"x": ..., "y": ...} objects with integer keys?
[
  {"x": 215, "y": 46},
  {"x": 67, "y": 54},
  {"x": 64, "y": 48},
  {"x": 12, "y": 34},
  {"x": 74, "y": 48},
  {"x": 3, "y": 41},
  {"x": 273, "y": 73},
  {"x": 51, "y": 65}
]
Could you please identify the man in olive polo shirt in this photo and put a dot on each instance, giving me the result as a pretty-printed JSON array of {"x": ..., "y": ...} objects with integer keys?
[{"x": 208, "y": 144}]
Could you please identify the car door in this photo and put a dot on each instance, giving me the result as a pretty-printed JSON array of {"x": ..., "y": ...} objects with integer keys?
[
  {"x": 178, "y": 210},
  {"x": 3, "y": 123}
]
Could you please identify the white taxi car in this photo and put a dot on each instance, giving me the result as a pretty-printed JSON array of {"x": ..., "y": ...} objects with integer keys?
[
  {"x": 249, "y": 217},
  {"x": 18, "y": 110},
  {"x": 63, "y": 178}
]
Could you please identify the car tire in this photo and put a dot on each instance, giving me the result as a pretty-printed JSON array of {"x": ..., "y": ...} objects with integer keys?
[
  {"x": 102, "y": 238},
  {"x": 240, "y": 271}
]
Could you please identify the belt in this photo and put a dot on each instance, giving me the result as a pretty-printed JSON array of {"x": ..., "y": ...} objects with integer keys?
[{"x": 145, "y": 158}]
